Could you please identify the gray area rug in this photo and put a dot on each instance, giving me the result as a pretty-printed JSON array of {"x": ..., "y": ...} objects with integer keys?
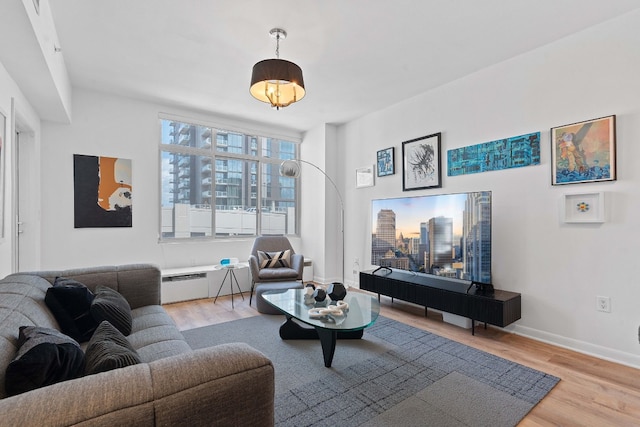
[{"x": 395, "y": 375}]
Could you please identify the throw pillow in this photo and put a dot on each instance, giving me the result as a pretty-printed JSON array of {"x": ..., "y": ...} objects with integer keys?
[
  {"x": 274, "y": 259},
  {"x": 70, "y": 301},
  {"x": 108, "y": 349},
  {"x": 109, "y": 305},
  {"x": 45, "y": 356}
]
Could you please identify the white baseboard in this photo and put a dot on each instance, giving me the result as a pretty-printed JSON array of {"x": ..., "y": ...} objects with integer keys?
[
  {"x": 605, "y": 353},
  {"x": 628, "y": 359}
]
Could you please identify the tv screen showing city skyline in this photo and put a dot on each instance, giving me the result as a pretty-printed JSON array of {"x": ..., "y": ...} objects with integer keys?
[{"x": 446, "y": 234}]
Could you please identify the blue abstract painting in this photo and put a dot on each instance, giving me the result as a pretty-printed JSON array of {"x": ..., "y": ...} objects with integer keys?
[{"x": 514, "y": 152}]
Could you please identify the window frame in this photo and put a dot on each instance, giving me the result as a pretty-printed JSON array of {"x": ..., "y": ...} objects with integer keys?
[{"x": 211, "y": 152}]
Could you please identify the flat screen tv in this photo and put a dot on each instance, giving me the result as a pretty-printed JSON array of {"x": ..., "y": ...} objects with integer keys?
[{"x": 446, "y": 235}]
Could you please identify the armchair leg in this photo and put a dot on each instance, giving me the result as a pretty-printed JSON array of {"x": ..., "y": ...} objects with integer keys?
[{"x": 251, "y": 292}]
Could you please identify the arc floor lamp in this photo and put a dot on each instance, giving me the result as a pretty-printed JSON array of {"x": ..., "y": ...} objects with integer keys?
[{"x": 291, "y": 169}]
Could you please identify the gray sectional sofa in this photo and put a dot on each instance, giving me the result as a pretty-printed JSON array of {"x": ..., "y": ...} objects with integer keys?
[{"x": 174, "y": 385}]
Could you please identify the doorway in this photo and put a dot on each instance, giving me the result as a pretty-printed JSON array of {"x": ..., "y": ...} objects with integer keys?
[{"x": 26, "y": 212}]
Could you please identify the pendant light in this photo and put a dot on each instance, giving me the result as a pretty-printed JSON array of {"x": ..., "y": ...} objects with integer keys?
[{"x": 277, "y": 81}]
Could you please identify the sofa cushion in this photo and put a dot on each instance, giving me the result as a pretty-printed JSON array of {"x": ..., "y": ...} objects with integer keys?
[
  {"x": 271, "y": 274},
  {"x": 70, "y": 303},
  {"x": 274, "y": 259},
  {"x": 45, "y": 356},
  {"x": 109, "y": 305},
  {"x": 154, "y": 334},
  {"x": 108, "y": 349}
]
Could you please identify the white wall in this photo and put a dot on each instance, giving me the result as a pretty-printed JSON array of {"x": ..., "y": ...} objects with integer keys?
[
  {"x": 312, "y": 200},
  {"x": 320, "y": 222},
  {"x": 114, "y": 126},
  {"x": 558, "y": 268}
]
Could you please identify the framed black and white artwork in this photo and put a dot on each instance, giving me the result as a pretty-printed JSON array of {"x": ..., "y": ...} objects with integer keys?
[{"x": 421, "y": 164}]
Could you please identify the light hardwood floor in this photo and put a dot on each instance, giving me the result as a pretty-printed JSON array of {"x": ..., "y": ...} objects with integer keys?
[{"x": 592, "y": 392}]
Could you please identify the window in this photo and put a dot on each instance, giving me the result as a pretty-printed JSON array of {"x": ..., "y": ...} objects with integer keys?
[{"x": 220, "y": 183}]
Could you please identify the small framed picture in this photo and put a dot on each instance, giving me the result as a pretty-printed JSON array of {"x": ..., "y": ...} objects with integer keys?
[
  {"x": 584, "y": 207},
  {"x": 386, "y": 162},
  {"x": 584, "y": 152},
  {"x": 421, "y": 165},
  {"x": 364, "y": 177}
]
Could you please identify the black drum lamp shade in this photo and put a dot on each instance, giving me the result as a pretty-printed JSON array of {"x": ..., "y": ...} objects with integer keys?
[{"x": 277, "y": 81}]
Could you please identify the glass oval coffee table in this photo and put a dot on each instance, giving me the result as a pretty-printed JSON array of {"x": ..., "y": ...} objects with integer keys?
[{"x": 362, "y": 311}]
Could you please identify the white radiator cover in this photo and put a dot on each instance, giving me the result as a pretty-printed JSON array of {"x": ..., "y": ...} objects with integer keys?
[{"x": 184, "y": 287}]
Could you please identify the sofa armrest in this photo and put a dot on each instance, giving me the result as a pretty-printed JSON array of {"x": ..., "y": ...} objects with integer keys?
[
  {"x": 254, "y": 267},
  {"x": 234, "y": 373},
  {"x": 297, "y": 263},
  {"x": 181, "y": 390}
]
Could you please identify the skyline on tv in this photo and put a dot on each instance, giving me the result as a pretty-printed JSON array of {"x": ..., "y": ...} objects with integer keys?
[
  {"x": 420, "y": 209},
  {"x": 446, "y": 234}
]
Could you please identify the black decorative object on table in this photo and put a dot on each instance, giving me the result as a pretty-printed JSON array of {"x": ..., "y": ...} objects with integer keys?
[
  {"x": 336, "y": 291},
  {"x": 319, "y": 295}
]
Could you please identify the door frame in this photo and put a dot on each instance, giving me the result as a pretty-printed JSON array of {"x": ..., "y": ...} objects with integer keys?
[{"x": 25, "y": 192}]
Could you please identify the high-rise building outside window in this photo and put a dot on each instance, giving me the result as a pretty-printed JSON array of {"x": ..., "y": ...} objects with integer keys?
[{"x": 222, "y": 183}]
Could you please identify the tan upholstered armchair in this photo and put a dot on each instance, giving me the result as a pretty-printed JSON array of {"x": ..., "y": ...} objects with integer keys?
[{"x": 269, "y": 262}]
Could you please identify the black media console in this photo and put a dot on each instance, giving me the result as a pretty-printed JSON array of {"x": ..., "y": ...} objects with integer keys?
[{"x": 464, "y": 298}]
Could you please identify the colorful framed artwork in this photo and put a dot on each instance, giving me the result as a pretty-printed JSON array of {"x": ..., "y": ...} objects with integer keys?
[
  {"x": 584, "y": 152},
  {"x": 102, "y": 191},
  {"x": 364, "y": 177},
  {"x": 584, "y": 207},
  {"x": 421, "y": 163},
  {"x": 513, "y": 152},
  {"x": 386, "y": 161}
]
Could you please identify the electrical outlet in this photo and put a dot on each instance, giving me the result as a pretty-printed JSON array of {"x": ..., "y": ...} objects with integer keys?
[
  {"x": 603, "y": 304},
  {"x": 355, "y": 271}
]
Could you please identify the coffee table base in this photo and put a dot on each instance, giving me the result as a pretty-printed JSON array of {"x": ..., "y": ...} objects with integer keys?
[{"x": 291, "y": 330}]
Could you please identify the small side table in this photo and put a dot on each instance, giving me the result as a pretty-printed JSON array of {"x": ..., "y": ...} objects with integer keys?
[{"x": 230, "y": 273}]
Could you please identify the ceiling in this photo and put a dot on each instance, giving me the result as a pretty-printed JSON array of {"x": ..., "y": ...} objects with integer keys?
[{"x": 357, "y": 56}]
